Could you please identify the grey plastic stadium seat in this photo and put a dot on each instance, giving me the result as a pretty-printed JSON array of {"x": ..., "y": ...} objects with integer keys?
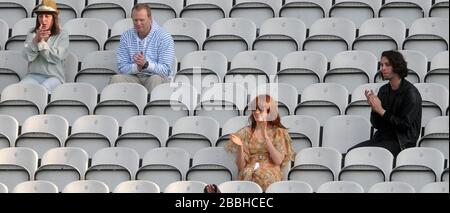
[
  {"x": 304, "y": 131},
  {"x": 117, "y": 30},
  {"x": 35, "y": 187},
  {"x": 308, "y": 11},
  {"x": 86, "y": 186},
  {"x": 407, "y": 11},
  {"x": 17, "y": 164},
  {"x": 340, "y": 187},
  {"x": 185, "y": 187},
  {"x": 137, "y": 186},
  {"x": 358, "y": 11},
  {"x": 436, "y": 135},
  {"x": 240, "y": 187},
  {"x": 208, "y": 11},
  {"x": 391, "y": 187},
  {"x": 13, "y": 68},
  {"x": 256, "y": 10},
  {"x": 19, "y": 33},
  {"x": 97, "y": 69},
  {"x": 289, "y": 187},
  {"x": 9, "y": 129},
  {"x": 163, "y": 10},
  {"x": 110, "y": 11},
  {"x": 435, "y": 100},
  {"x": 439, "y": 72}
]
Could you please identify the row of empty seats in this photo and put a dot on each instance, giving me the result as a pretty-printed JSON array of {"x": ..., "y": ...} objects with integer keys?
[
  {"x": 279, "y": 35},
  {"x": 257, "y": 10},
  {"x": 366, "y": 166},
  {"x": 93, "y": 186}
]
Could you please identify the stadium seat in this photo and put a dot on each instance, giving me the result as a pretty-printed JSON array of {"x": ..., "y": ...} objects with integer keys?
[
  {"x": 358, "y": 11},
  {"x": 137, "y": 186},
  {"x": 439, "y": 9},
  {"x": 284, "y": 94},
  {"x": 352, "y": 69},
  {"x": 434, "y": 100},
  {"x": 62, "y": 166},
  {"x": 19, "y": 33},
  {"x": 316, "y": 166},
  {"x": 428, "y": 35},
  {"x": 222, "y": 101},
  {"x": 418, "y": 166},
  {"x": 35, "y": 187},
  {"x": 185, "y": 187},
  {"x": 231, "y": 36},
  {"x": 172, "y": 100},
  {"x": 110, "y": 11},
  {"x": 340, "y": 187},
  {"x": 13, "y": 11},
  {"x": 69, "y": 9},
  {"x": 86, "y": 35},
  {"x": 302, "y": 69},
  {"x": 380, "y": 34},
  {"x": 240, "y": 187},
  {"x": 17, "y": 164},
  {"x": 304, "y": 131},
  {"x": 188, "y": 35},
  {"x": 144, "y": 133},
  {"x": 330, "y": 36},
  {"x": 86, "y": 186},
  {"x": 4, "y": 34},
  {"x": 391, "y": 187},
  {"x": 367, "y": 166},
  {"x": 93, "y": 132},
  {"x": 43, "y": 132},
  {"x": 436, "y": 135},
  {"x": 72, "y": 101},
  {"x": 117, "y": 30},
  {"x": 194, "y": 133},
  {"x": 438, "y": 187},
  {"x": 444, "y": 175},
  {"x": 23, "y": 101},
  {"x": 97, "y": 69},
  {"x": 3, "y": 188},
  {"x": 122, "y": 101},
  {"x": 209, "y": 11},
  {"x": 164, "y": 166},
  {"x": 113, "y": 166},
  {"x": 231, "y": 126},
  {"x": 213, "y": 165},
  {"x": 323, "y": 101},
  {"x": 256, "y": 10},
  {"x": 289, "y": 187},
  {"x": 439, "y": 72},
  {"x": 13, "y": 68},
  {"x": 358, "y": 104},
  {"x": 407, "y": 11},
  {"x": 70, "y": 66},
  {"x": 163, "y": 10},
  {"x": 9, "y": 129},
  {"x": 307, "y": 11}
]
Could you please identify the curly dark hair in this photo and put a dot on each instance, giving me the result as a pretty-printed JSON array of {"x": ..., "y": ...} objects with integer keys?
[{"x": 398, "y": 62}]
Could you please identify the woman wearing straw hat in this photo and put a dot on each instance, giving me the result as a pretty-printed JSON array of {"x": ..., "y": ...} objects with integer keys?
[{"x": 46, "y": 48}]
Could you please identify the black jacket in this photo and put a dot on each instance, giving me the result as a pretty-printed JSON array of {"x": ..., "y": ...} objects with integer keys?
[{"x": 404, "y": 117}]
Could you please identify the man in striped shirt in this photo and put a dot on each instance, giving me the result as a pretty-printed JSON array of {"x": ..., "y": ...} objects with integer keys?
[{"x": 146, "y": 53}]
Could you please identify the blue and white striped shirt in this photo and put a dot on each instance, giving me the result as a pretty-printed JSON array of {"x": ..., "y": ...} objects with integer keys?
[{"x": 158, "y": 48}]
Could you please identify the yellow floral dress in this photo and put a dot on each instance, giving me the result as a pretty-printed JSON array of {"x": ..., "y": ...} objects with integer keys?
[{"x": 255, "y": 150}]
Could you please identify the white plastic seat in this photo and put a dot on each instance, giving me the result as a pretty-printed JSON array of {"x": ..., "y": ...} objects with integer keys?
[
  {"x": 110, "y": 11},
  {"x": 438, "y": 187},
  {"x": 281, "y": 36},
  {"x": 113, "y": 166},
  {"x": 435, "y": 100},
  {"x": 302, "y": 69},
  {"x": 69, "y": 9},
  {"x": 43, "y": 132},
  {"x": 408, "y": 11},
  {"x": 436, "y": 135},
  {"x": 86, "y": 186},
  {"x": 93, "y": 132},
  {"x": 3, "y": 188},
  {"x": 352, "y": 69},
  {"x": 323, "y": 101},
  {"x": 208, "y": 11},
  {"x": 13, "y": 68},
  {"x": 9, "y": 129},
  {"x": 358, "y": 104},
  {"x": 86, "y": 35},
  {"x": 17, "y": 164},
  {"x": 213, "y": 165},
  {"x": 439, "y": 9},
  {"x": 316, "y": 166},
  {"x": 13, "y": 11},
  {"x": 231, "y": 36},
  {"x": 231, "y": 126},
  {"x": 164, "y": 166},
  {"x": 356, "y": 10},
  {"x": 137, "y": 186},
  {"x": 70, "y": 66},
  {"x": 35, "y": 187},
  {"x": 240, "y": 187},
  {"x": 97, "y": 69},
  {"x": 19, "y": 33},
  {"x": 72, "y": 101},
  {"x": 222, "y": 101},
  {"x": 428, "y": 35},
  {"x": 256, "y": 10},
  {"x": 289, "y": 187},
  {"x": 173, "y": 100},
  {"x": 444, "y": 175},
  {"x": 418, "y": 166},
  {"x": 391, "y": 187},
  {"x": 304, "y": 131},
  {"x": 367, "y": 166},
  {"x": 439, "y": 71},
  {"x": 308, "y": 11},
  {"x": 188, "y": 35},
  {"x": 330, "y": 36},
  {"x": 340, "y": 187},
  {"x": 117, "y": 30},
  {"x": 252, "y": 69},
  {"x": 122, "y": 101},
  {"x": 380, "y": 34},
  {"x": 201, "y": 69},
  {"x": 62, "y": 166},
  {"x": 163, "y": 10},
  {"x": 185, "y": 187},
  {"x": 284, "y": 94},
  {"x": 194, "y": 133},
  {"x": 4, "y": 31}
]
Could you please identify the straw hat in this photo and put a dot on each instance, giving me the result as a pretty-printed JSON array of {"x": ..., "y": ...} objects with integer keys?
[{"x": 47, "y": 6}]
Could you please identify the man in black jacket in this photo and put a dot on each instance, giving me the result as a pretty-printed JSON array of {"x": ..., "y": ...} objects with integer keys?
[{"x": 397, "y": 110}]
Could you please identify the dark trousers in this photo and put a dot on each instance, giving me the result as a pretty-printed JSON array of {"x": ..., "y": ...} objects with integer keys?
[{"x": 392, "y": 146}]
